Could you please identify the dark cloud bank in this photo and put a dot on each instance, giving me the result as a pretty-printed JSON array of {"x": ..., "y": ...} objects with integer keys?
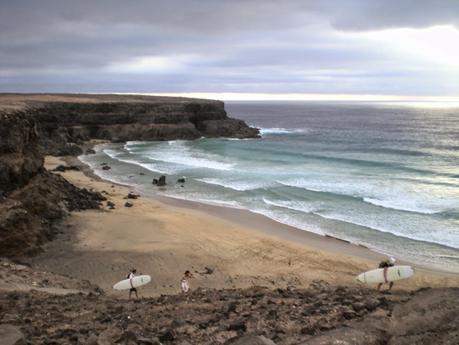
[{"x": 215, "y": 46}]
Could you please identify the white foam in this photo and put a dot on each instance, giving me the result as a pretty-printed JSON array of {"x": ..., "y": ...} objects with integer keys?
[
  {"x": 128, "y": 144},
  {"x": 112, "y": 153},
  {"x": 442, "y": 238},
  {"x": 194, "y": 162},
  {"x": 455, "y": 257},
  {"x": 237, "y": 185},
  {"x": 287, "y": 220},
  {"x": 291, "y": 205},
  {"x": 280, "y": 130},
  {"x": 135, "y": 142},
  {"x": 149, "y": 166},
  {"x": 378, "y": 193},
  {"x": 178, "y": 153},
  {"x": 402, "y": 205},
  {"x": 214, "y": 202},
  {"x": 237, "y": 139}
]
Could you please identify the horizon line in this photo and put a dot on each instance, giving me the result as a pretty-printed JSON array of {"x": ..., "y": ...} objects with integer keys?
[{"x": 243, "y": 96}]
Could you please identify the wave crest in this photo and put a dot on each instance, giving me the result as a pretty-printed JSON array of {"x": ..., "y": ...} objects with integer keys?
[{"x": 280, "y": 130}]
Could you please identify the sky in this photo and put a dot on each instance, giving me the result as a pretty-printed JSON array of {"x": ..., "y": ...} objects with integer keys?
[{"x": 396, "y": 48}]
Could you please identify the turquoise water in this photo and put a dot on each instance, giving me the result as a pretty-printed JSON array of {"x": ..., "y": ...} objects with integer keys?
[{"x": 383, "y": 176}]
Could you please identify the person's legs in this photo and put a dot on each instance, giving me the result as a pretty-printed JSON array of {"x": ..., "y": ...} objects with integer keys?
[
  {"x": 390, "y": 285},
  {"x": 131, "y": 291},
  {"x": 379, "y": 286}
]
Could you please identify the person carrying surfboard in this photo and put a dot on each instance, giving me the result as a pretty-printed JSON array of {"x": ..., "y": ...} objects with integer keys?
[
  {"x": 132, "y": 289},
  {"x": 386, "y": 264}
]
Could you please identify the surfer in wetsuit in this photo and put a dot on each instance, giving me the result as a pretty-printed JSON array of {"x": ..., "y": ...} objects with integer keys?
[
  {"x": 386, "y": 264},
  {"x": 132, "y": 289}
]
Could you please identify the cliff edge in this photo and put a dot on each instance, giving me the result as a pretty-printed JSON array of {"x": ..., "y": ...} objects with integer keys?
[
  {"x": 66, "y": 121},
  {"x": 32, "y": 199}
]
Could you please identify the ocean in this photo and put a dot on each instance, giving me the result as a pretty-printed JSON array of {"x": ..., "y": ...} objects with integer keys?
[{"x": 381, "y": 175}]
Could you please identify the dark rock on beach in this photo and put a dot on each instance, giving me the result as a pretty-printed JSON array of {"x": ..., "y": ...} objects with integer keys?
[
  {"x": 132, "y": 196},
  {"x": 64, "y": 168},
  {"x": 128, "y": 204},
  {"x": 161, "y": 181}
]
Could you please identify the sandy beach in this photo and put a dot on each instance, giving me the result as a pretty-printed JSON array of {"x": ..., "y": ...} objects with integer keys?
[{"x": 224, "y": 248}]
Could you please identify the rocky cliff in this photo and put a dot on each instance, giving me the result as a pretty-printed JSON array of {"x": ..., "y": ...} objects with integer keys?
[
  {"x": 64, "y": 121},
  {"x": 32, "y": 200}
]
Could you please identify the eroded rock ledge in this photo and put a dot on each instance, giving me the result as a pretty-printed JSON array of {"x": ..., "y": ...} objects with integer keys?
[
  {"x": 33, "y": 200},
  {"x": 65, "y": 121}
]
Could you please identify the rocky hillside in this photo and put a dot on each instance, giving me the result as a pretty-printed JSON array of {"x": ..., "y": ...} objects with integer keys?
[
  {"x": 32, "y": 200},
  {"x": 319, "y": 315},
  {"x": 64, "y": 121}
]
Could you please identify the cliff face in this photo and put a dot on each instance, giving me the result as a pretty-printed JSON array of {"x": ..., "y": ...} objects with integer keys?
[
  {"x": 63, "y": 125},
  {"x": 20, "y": 157},
  {"x": 32, "y": 199}
]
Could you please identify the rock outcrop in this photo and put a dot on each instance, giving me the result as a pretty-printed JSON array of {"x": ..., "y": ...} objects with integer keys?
[
  {"x": 65, "y": 121},
  {"x": 321, "y": 314},
  {"x": 32, "y": 200}
]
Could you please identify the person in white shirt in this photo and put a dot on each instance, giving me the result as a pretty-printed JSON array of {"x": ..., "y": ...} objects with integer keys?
[
  {"x": 185, "y": 282},
  {"x": 386, "y": 264}
]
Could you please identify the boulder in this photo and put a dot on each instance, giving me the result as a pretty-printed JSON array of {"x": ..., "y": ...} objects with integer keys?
[
  {"x": 64, "y": 168},
  {"x": 128, "y": 204},
  {"x": 162, "y": 181},
  {"x": 132, "y": 195}
]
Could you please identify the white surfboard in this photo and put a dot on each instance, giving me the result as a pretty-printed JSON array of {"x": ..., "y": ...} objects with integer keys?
[
  {"x": 137, "y": 281},
  {"x": 394, "y": 273}
]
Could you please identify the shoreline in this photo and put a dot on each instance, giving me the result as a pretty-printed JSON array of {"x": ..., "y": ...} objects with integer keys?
[
  {"x": 264, "y": 224},
  {"x": 261, "y": 223},
  {"x": 224, "y": 248},
  {"x": 250, "y": 219}
]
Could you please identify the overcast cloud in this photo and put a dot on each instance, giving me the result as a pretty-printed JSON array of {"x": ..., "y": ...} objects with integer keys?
[{"x": 404, "y": 47}]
